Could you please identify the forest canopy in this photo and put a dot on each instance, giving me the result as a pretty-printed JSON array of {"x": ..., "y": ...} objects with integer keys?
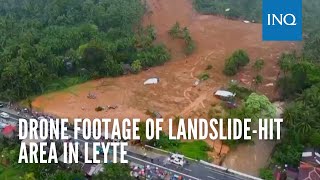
[{"x": 46, "y": 45}]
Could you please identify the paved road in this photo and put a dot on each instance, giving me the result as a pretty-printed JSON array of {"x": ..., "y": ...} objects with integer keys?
[{"x": 192, "y": 170}]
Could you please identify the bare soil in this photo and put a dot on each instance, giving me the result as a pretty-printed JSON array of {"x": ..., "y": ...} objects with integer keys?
[{"x": 216, "y": 38}]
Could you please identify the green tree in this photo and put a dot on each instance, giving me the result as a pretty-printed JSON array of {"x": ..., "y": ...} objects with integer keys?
[
  {"x": 257, "y": 80},
  {"x": 258, "y": 65},
  {"x": 258, "y": 106},
  {"x": 238, "y": 59}
]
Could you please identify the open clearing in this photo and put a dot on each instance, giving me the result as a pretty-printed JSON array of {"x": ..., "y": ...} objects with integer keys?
[{"x": 216, "y": 38}]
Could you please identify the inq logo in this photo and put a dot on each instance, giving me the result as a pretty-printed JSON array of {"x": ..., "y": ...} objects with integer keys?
[
  {"x": 282, "y": 20},
  {"x": 288, "y": 19}
]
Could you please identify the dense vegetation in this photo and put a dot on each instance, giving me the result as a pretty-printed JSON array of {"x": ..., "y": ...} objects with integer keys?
[
  {"x": 237, "y": 60},
  {"x": 50, "y": 44}
]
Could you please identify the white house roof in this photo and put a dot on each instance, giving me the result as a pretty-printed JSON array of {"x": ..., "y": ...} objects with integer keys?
[
  {"x": 306, "y": 154},
  {"x": 152, "y": 81},
  {"x": 224, "y": 93}
]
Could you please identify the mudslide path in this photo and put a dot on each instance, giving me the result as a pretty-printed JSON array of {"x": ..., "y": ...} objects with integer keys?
[{"x": 215, "y": 37}]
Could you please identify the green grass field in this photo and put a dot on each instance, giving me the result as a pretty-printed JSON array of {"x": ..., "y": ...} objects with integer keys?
[{"x": 195, "y": 150}]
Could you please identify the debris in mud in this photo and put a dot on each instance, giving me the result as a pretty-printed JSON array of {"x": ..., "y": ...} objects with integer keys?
[
  {"x": 99, "y": 108},
  {"x": 91, "y": 96},
  {"x": 153, "y": 114},
  {"x": 270, "y": 84},
  {"x": 196, "y": 83},
  {"x": 150, "y": 81},
  {"x": 113, "y": 107}
]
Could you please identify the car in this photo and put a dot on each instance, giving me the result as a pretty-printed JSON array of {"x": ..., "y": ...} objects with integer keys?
[
  {"x": 1, "y": 105},
  {"x": 177, "y": 159},
  {"x": 4, "y": 115},
  {"x": 176, "y": 177}
]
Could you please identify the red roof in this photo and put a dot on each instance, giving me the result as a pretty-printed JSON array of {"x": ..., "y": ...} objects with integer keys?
[
  {"x": 8, "y": 129},
  {"x": 308, "y": 172}
]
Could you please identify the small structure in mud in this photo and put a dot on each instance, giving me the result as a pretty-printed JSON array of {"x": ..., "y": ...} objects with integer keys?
[
  {"x": 153, "y": 80},
  {"x": 224, "y": 94}
]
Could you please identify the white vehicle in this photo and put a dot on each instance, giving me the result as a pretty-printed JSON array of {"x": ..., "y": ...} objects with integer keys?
[
  {"x": 4, "y": 115},
  {"x": 177, "y": 159}
]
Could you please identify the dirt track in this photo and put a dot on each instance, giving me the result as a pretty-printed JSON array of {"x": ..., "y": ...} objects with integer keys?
[{"x": 215, "y": 37}]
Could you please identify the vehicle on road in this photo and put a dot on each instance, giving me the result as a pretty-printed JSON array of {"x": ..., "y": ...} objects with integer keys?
[
  {"x": 1, "y": 105},
  {"x": 4, "y": 115},
  {"x": 176, "y": 177},
  {"x": 177, "y": 159}
]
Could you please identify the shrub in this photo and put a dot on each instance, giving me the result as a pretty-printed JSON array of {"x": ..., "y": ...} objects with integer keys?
[
  {"x": 230, "y": 67},
  {"x": 190, "y": 47},
  {"x": 238, "y": 59},
  {"x": 175, "y": 31},
  {"x": 241, "y": 57},
  {"x": 153, "y": 56},
  {"x": 136, "y": 66},
  {"x": 258, "y": 65},
  {"x": 258, "y": 79},
  {"x": 266, "y": 174},
  {"x": 204, "y": 76}
]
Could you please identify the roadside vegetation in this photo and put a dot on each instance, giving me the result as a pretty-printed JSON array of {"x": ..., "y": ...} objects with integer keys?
[
  {"x": 49, "y": 45},
  {"x": 193, "y": 149},
  {"x": 176, "y": 32}
]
